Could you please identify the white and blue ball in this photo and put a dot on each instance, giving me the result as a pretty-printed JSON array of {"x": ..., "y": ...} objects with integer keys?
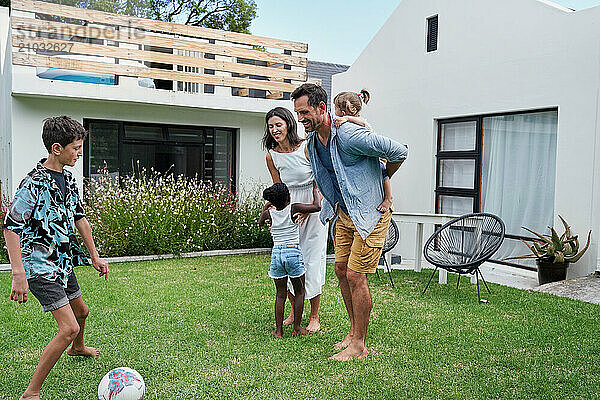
[{"x": 121, "y": 383}]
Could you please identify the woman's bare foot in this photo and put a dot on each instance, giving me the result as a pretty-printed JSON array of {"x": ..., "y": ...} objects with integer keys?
[
  {"x": 289, "y": 320},
  {"x": 85, "y": 352},
  {"x": 345, "y": 342},
  {"x": 349, "y": 353},
  {"x": 300, "y": 331},
  {"x": 313, "y": 325},
  {"x": 277, "y": 334}
]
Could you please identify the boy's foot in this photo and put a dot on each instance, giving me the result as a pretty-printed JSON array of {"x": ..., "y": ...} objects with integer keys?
[
  {"x": 300, "y": 331},
  {"x": 350, "y": 353},
  {"x": 277, "y": 335},
  {"x": 85, "y": 352},
  {"x": 289, "y": 320},
  {"x": 313, "y": 325},
  {"x": 345, "y": 342},
  {"x": 25, "y": 396}
]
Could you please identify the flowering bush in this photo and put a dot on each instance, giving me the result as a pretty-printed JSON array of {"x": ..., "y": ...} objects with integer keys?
[
  {"x": 3, "y": 211},
  {"x": 152, "y": 213}
]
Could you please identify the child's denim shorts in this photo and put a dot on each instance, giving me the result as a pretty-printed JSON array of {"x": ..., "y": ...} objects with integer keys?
[
  {"x": 286, "y": 261},
  {"x": 52, "y": 295}
]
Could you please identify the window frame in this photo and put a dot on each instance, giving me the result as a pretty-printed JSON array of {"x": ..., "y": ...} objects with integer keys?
[{"x": 475, "y": 154}]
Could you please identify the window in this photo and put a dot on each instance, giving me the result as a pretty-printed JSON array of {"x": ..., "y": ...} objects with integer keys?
[
  {"x": 458, "y": 163},
  {"x": 502, "y": 164},
  {"x": 432, "y": 33},
  {"x": 126, "y": 147}
]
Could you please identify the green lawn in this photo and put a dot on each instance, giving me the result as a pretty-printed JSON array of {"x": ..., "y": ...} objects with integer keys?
[{"x": 201, "y": 328}]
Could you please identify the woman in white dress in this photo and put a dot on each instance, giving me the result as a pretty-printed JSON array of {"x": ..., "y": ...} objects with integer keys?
[{"x": 287, "y": 161}]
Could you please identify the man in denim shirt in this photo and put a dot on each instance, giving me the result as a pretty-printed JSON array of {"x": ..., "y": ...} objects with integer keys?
[{"x": 345, "y": 162}]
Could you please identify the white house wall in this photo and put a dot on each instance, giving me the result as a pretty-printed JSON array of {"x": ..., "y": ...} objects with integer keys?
[
  {"x": 5, "y": 100},
  {"x": 29, "y": 112},
  {"x": 493, "y": 56}
]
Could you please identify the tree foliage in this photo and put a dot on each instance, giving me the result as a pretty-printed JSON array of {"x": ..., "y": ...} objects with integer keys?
[{"x": 230, "y": 15}]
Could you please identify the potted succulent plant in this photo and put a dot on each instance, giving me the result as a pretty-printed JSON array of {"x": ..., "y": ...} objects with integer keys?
[{"x": 553, "y": 253}]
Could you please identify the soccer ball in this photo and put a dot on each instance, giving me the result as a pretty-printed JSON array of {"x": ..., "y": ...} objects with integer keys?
[{"x": 121, "y": 384}]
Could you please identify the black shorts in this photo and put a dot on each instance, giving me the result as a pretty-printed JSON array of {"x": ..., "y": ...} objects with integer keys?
[{"x": 52, "y": 295}]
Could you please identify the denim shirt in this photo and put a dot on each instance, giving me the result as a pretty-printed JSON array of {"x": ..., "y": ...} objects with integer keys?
[
  {"x": 355, "y": 153},
  {"x": 45, "y": 221}
]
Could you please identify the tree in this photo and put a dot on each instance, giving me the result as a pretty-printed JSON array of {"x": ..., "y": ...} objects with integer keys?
[{"x": 230, "y": 15}]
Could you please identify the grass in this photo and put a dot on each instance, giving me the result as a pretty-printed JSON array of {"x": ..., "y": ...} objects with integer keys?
[{"x": 200, "y": 329}]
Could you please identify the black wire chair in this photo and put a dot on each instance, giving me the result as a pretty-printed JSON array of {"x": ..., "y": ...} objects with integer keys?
[
  {"x": 391, "y": 239},
  {"x": 463, "y": 244}
]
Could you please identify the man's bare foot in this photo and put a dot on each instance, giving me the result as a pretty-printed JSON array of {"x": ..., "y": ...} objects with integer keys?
[
  {"x": 313, "y": 325},
  {"x": 85, "y": 352},
  {"x": 350, "y": 353},
  {"x": 345, "y": 342},
  {"x": 289, "y": 320},
  {"x": 26, "y": 396},
  {"x": 278, "y": 335},
  {"x": 300, "y": 331}
]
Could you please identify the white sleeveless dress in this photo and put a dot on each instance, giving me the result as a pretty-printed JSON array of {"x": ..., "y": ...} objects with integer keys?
[{"x": 295, "y": 171}]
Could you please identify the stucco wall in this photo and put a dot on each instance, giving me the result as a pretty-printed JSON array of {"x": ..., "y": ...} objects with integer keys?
[
  {"x": 29, "y": 112},
  {"x": 493, "y": 57}
]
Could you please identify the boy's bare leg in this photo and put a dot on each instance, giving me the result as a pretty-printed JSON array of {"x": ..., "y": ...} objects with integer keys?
[
  {"x": 298, "y": 284},
  {"x": 81, "y": 311},
  {"x": 280, "y": 291},
  {"x": 290, "y": 319},
  {"x": 361, "y": 302},
  {"x": 313, "y": 321},
  {"x": 68, "y": 329},
  {"x": 340, "y": 272}
]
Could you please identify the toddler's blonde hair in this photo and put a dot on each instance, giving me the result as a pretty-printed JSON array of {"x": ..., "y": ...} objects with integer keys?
[{"x": 351, "y": 103}]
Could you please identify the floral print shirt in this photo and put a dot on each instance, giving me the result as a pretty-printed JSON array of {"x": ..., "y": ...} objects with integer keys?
[{"x": 45, "y": 221}]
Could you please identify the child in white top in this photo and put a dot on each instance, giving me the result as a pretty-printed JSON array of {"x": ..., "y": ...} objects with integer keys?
[
  {"x": 286, "y": 256},
  {"x": 347, "y": 109}
]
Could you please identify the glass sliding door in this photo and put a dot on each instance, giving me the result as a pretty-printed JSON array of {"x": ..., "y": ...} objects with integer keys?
[{"x": 519, "y": 168}]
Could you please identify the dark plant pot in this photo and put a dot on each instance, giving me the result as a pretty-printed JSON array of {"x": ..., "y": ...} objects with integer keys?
[{"x": 551, "y": 272}]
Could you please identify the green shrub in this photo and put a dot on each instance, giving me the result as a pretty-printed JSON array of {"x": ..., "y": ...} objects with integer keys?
[{"x": 151, "y": 213}]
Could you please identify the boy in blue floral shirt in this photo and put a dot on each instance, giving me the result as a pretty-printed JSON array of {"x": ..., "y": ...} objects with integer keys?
[{"x": 39, "y": 230}]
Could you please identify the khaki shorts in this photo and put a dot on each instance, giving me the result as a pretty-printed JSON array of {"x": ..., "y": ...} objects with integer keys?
[{"x": 361, "y": 255}]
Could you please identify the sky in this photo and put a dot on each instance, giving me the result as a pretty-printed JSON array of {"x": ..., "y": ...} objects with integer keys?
[{"x": 337, "y": 30}]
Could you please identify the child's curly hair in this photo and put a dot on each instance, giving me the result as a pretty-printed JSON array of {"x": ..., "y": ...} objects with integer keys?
[
  {"x": 278, "y": 195},
  {"x": 351, "y": 103}
]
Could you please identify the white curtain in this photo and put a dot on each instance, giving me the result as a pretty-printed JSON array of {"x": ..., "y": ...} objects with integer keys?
[{"x": 519, "y": 164}]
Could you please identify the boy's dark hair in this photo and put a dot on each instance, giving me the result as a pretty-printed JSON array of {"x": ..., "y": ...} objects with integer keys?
[
  {"x": 278, "y": 195},
  {"x": 292, "y": 133},
  {"x": 62, "y": 130},
  {"x": 316, "y": 94}
]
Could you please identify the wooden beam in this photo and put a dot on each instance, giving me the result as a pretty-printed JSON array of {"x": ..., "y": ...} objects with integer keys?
[
  {"x": 34, "y": 60},
  {"x": 36, "y": 25},
  {"x": 28, "y": 42},
  {"x": 275, "y": 95},
  {"x": 158, "y": 26}
]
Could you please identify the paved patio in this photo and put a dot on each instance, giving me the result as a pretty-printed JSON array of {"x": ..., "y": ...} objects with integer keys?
[{"x": 585, "y": 288}]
